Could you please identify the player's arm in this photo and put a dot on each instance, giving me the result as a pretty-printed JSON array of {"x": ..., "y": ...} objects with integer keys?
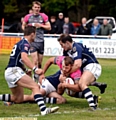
[
  {"x": 49, "y": 62},
  {"x": 45, "y": 26},
  {"x": 25, "y": 22},
  {"x": 62, "y": 78},
  {"x": 24, "y": 25},
  {"x": 28, "y": 63},
  {"x": 74, "y": 87},
  {"x": 76, "y": 66},
  {"x": 27, "y": 71}
]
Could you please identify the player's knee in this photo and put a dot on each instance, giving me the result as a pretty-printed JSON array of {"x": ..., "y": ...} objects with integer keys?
[
  {"x": 36, "y": 87},
  {"x": 82, "y": 85},
  {"x": 18, "y": 99},
  {"x": 61, "y": 100}
]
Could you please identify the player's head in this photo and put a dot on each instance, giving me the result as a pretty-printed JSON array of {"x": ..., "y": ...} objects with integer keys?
[
  {"x": 36, "y": 7},
  {"x": 65, "y": 41},
  {"x": 67, "y": 64},
  {"x": 30, "y": 32},
  {"x": 30, "y": 11}
]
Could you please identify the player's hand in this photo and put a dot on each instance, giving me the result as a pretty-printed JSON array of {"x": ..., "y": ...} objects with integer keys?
[
  {"x": 64, "y": 84},
  {"x": 60, "y": 89},
  {"x": 37, "y": 25},
  {"x": 29, "y": 72},
  {"x": 39, "y": 71},
  {"x": 62, "y": 78}
]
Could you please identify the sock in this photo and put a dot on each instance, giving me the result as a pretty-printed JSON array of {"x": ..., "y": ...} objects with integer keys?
[
  {"x": 89, "y": 97},
  {"x": 79, "y": 95},
  {"x": 51, "y": 100},
  {"x": 5, "y": 97},
  {"x": 39, "y": 100},
  {"x": 97, "y": 84}
]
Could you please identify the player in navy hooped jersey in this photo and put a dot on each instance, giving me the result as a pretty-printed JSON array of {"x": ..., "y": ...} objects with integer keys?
[
  {"x": 85, "y": 60},
  {"x": 16, "y": 77}
]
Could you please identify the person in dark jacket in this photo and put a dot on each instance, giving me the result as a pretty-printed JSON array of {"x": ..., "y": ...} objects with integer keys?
[
  {"x": 59, "y": 23},
  {"x": 83, "y": 29},
  {"x": 105, "y": 29},
  {"x": 68, "y": 27},
  {"x": 53, "y": 25}
]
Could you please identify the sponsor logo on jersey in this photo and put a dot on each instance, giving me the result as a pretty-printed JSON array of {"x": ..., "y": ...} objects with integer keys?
[
  {"x": 26, "y": 48},
  {"x": 74, "y": 49}
]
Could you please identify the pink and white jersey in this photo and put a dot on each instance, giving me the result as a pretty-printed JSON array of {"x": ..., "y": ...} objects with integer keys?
[
  {"x": 58, "y": 60},
  {"x": 40, "y": 18},
  {"x": 75, "y": 75}
]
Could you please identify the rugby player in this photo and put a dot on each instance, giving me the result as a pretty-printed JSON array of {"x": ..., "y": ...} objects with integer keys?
[
  {"x": 41, "y": 22},
  {"x": 84, "y": 59},
  {"x": 17, "y": 79}
]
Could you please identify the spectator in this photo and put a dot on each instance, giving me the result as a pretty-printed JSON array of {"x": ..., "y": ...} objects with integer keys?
[
  {"x": 59, "y": 23},
  {"x": 30, "y": 11},
  {"x": 83, "y": 29},
  {"x": 53, "y": 25},
  {"x": 105, "y": 29},
  {"x": 68, "y": 27},
  {"x": 19, "y": 26},
  {"x": 95, "y": 27}
]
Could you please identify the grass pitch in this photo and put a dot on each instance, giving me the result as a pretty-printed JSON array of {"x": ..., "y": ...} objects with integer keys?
[{"x": 74, "y": 109}]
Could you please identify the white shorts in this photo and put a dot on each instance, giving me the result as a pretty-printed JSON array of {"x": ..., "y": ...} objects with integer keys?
[
  {"x": 12, "y": 75},
  {"x": 47, "y": 86},
  {"x": 94, "y": 68}
]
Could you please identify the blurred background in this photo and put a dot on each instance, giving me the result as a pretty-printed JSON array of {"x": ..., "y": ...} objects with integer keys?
[{"x": 13, "y": 10}]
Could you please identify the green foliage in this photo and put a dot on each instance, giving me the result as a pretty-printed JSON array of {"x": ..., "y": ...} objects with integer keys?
[
  {"x": 56, "y": 6},
  {"x": 75, "y": 9},
  {"x": 74, "y": 109},
  {"x": 10, "y": 6}
]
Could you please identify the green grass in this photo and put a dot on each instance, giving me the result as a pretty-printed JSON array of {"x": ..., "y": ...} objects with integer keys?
[{"x": 74, "y": 109}]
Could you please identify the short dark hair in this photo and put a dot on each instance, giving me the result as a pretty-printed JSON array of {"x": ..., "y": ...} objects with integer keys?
[
  {"x": 65, "y": 37},
  {"x": 68, "y": 60},
  {"x": 29, "y": 29},
  {"x": 36, "y": 2}
]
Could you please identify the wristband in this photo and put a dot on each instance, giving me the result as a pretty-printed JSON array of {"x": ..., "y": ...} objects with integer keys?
[
  {"x": 33, "y": 24},
  {"x": 26, "y": 70},
  {"x": 35, "y": 68}
]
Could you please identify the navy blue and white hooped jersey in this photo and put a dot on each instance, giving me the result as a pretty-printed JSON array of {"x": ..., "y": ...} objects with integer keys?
[
  {"x": 15, "y": 56},
  {"x": 54, "y": 79},
  {"x": 79, "y": 51}
]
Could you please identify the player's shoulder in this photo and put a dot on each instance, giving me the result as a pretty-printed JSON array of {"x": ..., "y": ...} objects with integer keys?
[
  {"x": 24, "y": 42},
  {"x": 59, "y": 58},
  {"x": 43, "y": 14},
  {"x": 77, "y": 45}
]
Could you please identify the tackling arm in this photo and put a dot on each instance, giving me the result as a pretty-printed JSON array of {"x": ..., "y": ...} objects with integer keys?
[
  {"x": 76, "y": 66},
  {"x": 49, "y": 62},
  {"x": 74, "y": 87}
]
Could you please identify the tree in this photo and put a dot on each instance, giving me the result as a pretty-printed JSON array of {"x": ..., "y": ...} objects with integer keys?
[{"x": 75, "y": 9}]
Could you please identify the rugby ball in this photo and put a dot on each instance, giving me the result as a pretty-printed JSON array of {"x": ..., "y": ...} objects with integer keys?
[{"x": 68, "y": 91}]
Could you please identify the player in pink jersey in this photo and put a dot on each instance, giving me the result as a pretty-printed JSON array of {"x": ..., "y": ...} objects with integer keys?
[
  {"x": 59, "y": 60},
  {"x": 41, "y": 22},
  {"x": 66, "y": 63}
]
